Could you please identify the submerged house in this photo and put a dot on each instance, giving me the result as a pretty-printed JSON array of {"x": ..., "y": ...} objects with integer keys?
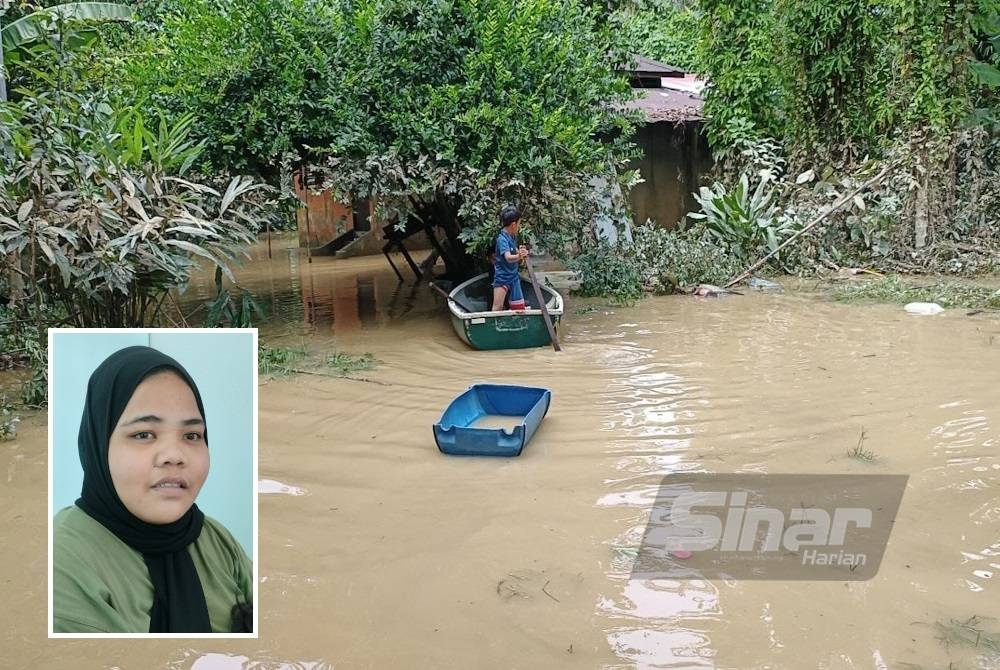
[
  {"x": 675, "y": 154},
  {"x": 328, "y": 227}
]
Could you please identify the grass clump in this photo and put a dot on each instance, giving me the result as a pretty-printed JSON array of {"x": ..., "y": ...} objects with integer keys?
[
  {"x": 284, "y": 361},
  {"x": 344, "y": 363},
  {"x": 279, "y": 361},
  {"x": 968, "y": 633},
  {"x": 893, "y": 289},
  {"x": 8, "y": 419},
  {"x": 859, "y": 452}
]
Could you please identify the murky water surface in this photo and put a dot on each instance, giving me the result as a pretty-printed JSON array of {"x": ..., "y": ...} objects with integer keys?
[{"x": 383, "y": 553}]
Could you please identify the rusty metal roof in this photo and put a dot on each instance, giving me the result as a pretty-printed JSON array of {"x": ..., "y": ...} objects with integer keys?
[
  {"x": 648, "y": 66},
  {"x": 664, "y": 92},
  {"x": 668, "y": 104}
]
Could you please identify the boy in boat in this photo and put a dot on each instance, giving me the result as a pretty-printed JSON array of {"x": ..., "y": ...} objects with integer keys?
[{"x": 506, "y": 281}]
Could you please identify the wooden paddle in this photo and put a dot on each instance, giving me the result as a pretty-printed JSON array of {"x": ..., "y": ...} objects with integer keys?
[
  {"x": 541, "y": 304},
  {"x": 448, "y": 297}
]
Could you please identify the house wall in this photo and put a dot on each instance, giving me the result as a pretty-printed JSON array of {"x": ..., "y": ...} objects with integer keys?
[
  {"x": 323, "y": 218},
  {"x": 675, "y": 156}
]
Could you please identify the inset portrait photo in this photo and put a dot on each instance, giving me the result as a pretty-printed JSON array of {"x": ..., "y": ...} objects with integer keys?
[{"x": 152, "y": 482}]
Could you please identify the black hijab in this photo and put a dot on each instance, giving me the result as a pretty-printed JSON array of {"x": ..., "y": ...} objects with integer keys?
[{"x": 178, "y": 599}]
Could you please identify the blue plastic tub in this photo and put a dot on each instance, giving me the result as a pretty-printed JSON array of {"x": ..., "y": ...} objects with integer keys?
[{"x": 455, "y": 434}]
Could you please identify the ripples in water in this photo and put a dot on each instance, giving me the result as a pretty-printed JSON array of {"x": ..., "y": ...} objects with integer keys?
[{"x": 219, "y": 661}]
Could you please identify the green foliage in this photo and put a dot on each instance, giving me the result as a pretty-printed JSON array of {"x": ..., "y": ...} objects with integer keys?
[
  {"x": 844, "y": 79},
  {"x": 279, "y": 361},
  {"x": 168, "y": 150},
  {"x": 21, "y": 331},
  {"x": 227, "y": 312},
  {"x": 748, "y": 152},
  {"x": 259, "y": 77},
  {"x": 837, "y": 87},
  {"x": 664, "y": 30},
  {"x": 744, "y": 221},
  {"x": 344, "y": 363},
  {"x": 736, "y": 53},
  {"x": 657, "y": 260},
  {"x": 8, "y": 419},
  {"x": 441, "y": 110},
  {"x": 669, "y": 258},
  {"x": 284, "y": 361},
  {"x": 894, "y": 289},
  {"x": 834, "y": 67},
  {"x": 467, "y": 105},
  {"x": 867, "y": 231},
  {"x": 93, "y": 207},
  {"x": 933, "y": 61},
  {"x": 34, "y": 26},
  {"x": 985, "y": 64},
  {"x": 609, "y": 270},
  {"x": 35, "y": 391}
]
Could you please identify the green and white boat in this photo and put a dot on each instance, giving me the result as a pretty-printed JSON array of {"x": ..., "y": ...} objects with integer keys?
[{"x": 509, "y": 329}]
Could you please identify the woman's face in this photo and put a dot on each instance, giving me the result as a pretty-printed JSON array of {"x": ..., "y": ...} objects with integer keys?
[{"x": 157, "y": 453}]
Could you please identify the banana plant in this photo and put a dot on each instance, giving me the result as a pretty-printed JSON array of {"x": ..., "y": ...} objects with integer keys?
[{"x": 29, "y": 28}]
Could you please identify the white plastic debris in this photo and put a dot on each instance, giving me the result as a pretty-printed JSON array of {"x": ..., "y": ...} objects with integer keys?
[
  {"x": 923, "y": 308},
  {"x": 272, "y": 486}
]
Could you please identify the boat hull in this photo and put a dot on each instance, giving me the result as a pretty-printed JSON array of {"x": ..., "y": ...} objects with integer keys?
[{"x": 509, "y": 329}]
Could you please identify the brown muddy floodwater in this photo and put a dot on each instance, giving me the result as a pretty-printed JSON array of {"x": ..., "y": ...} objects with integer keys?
[{"x": 376, "y": 551}]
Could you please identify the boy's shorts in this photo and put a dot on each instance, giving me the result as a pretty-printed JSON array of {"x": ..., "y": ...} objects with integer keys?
[{"x": 514, "y": 296}]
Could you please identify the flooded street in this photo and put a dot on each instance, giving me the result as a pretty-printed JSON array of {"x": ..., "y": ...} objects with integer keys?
[{"x": 377, "y": 551}]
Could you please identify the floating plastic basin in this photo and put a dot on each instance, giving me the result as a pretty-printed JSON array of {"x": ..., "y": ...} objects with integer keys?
[{"x": 456, "y": 433}]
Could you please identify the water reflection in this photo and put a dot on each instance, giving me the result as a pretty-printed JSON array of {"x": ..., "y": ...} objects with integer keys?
[
  {"x": 216, "y": 661},
  {"x": 665, "y": 647},
  {"x": 651, "y": 407},
  {"x": 326, "y": 295},
  {"x": 664, "y": 599}
]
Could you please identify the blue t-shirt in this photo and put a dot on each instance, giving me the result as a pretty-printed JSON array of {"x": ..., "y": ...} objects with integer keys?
[{"x": 506, "y": 272}]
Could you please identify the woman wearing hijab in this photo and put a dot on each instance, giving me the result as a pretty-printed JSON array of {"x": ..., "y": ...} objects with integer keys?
[{"x": 135, "y": 554}]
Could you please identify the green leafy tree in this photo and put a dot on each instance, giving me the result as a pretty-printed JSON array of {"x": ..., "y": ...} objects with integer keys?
[
  {"x": 832, "y": 56},
  {"x": 816, "y": 73},
  {"x": 737, "y": 55},
  {"x": 254, "y": 74},
  {"x": 664, "y": 30},
  {"x": 468, "y": 104},
  {"x": 440, "y": 111},
  {"x": 28, "y": 28},
  {"x": 907, "y": 81}
]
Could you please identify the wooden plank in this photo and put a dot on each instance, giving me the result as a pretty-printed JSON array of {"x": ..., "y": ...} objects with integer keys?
[{"x": 541, "y": 304}]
